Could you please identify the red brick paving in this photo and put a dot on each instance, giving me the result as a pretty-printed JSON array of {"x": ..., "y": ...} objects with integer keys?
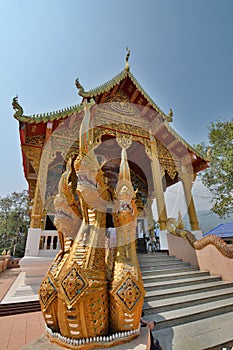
[
  {"x": 18, "y": 330},
  {"x": 7, "y": 278}
]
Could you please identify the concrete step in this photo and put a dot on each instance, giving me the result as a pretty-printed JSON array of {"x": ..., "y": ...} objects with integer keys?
[
  {"x": 157, "y": 306},
  {"x": 153, "y": 262},
  {"x": 150, "y": 258},
  {"x": 19, "y": 308},
  {"x": 164, "y": 266},
  {"x": 157, "y": 271},
  {"x": 182, "y": 300},
  {"x": 191, "y": 313},
  {"x": 157, "y": 258},
  {"x": 186, "y": 290},
  {"x": 180, "y": 282},
  {"x": 154, "y": 254},
  {"x": 213, "y": 333},
  {"x": 174, "y": 276}
]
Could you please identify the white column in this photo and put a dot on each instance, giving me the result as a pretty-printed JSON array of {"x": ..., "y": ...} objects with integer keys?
[{"x": 33, "y": 242}]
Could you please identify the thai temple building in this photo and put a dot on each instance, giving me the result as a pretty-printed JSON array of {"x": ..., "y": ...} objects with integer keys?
[{"x": 114, "y": 113}]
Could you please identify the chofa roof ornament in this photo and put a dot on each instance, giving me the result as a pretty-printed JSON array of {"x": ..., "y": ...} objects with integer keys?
[
  {"x": 17, "y": 107},
  {"x": 127, "y": 59},
  {"x": 79, "y": 87}
]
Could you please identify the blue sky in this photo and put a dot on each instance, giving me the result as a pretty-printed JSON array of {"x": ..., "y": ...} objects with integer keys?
[{"x": 181, "y": 53}]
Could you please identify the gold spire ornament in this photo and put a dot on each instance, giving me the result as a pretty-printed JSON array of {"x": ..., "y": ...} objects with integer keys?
[
  {"x": 170, "y": 116},
  {"x": 127, "y": 59}
]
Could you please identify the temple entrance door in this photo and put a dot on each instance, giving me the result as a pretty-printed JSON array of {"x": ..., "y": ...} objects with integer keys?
[{"x": 109, "y": 220}]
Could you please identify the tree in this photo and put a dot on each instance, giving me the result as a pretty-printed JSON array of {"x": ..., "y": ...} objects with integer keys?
[
  {"x": 219, "y": 176},
  {"x": 14, "y": 222}
]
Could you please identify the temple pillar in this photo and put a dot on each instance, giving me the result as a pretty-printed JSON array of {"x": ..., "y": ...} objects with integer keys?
[
  {"x": 159, "y": 195},
  {"x": 37, "y": 208},
  {"x": 34, "y": 233},
  {"x": 157, "y": 182},
  {"x": 35, "y": 262},
  {"x": 149, "y": 215},
  {"x": 187, "y": 179}
]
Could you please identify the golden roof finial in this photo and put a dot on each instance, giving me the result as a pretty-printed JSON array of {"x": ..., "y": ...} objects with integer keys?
[
  {"x": 170, "y": 115},
  {"x": 127, "y": 59}
]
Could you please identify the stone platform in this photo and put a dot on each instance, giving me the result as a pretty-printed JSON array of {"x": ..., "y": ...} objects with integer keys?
[{"x": 140, "y": 343}]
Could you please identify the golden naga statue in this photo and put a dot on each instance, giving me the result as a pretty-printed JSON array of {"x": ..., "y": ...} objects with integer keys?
[
  {"x": 85, "y": 305},
  {"x": 176, "y": 228},
  {"x": 126, "y": 288}
]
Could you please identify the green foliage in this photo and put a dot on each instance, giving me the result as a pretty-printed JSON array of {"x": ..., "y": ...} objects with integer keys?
[
  {"x": 14, "y": 222},
  {"x": 219, "y": 176}
]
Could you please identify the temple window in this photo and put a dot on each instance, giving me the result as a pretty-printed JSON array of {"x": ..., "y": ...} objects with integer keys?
[
  {"x": 42, "y": 242},
  {"x": 48, "y": 243},
  {"x": 55, "y": 242}
]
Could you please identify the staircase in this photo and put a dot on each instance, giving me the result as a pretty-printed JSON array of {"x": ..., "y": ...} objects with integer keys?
[
  {"x": 192, "y": 309},
  {"x": 19, "y": 308}
]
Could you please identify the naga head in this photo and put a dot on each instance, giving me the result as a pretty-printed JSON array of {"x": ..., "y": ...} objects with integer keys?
[
  {"x": 90, "y": 179},
  {"x": 67, "y": 206},
  {"x": 125, "y": 207}
]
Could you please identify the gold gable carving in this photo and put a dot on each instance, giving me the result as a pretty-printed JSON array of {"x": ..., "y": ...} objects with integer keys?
[
  {"x": 166, "y": 160},
  {"x": 119, "y": 96},
  {"x": 37, "y": 140},
  {"x": 33, "y": 154}
]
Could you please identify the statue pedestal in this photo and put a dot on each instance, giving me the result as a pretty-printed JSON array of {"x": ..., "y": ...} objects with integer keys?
[{"x": 140, "y": 343}]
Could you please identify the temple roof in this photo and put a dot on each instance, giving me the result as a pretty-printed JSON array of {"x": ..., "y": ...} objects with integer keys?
[
  {"x": 222, "y": 230},
  {"x": 126, "y": 82},
  {"x": 103, "y": 88},
  {"x": 44, "y": 117},
  {"x": 110, "y": 84}
]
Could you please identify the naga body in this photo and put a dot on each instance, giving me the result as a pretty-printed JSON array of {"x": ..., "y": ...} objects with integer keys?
[
  {"x": 225, "y": 249},
  {"x": 84, "y": 305}
]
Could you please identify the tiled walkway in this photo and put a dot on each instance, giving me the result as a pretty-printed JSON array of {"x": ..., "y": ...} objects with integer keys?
[
  {"x": 18, "y": 330},
  {"x": 6, "y": 280}
]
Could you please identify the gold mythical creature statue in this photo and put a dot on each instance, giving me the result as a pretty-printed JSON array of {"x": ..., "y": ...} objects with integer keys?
[
  {"x": 126, "y": 289},
  {"x": 84, "y": 307},
  {"x": 67, "y": 221},
  {"x": 177, "y": 229}
]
